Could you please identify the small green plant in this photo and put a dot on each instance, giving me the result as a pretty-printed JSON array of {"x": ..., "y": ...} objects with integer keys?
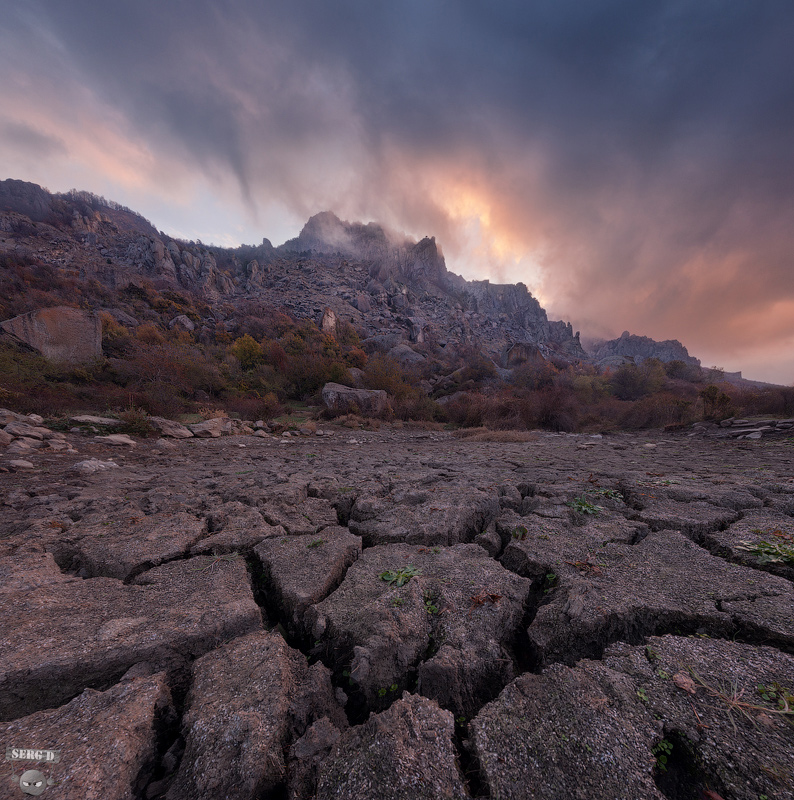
[
  {"x": 431, "y": 605},
  {"x": 643, "y": 694},
  {"x": 781, "y": 696},
  {"x": 397, "y": 602},
  {"x": 581, "y": 505},
  {"x": 399, "y": 577},
  {"x": 383, "y": 691},
  {"x": 316, "y": 543},
  {"x": 663, "y": 750},
  {"x": 776, "y": 552},
  {"x": 651, "y": 654}
]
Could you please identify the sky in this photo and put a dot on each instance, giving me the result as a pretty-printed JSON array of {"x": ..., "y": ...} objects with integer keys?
[{"x": 631, "y": 162}]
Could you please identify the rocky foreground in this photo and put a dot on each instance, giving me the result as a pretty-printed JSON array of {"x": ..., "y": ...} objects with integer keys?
[{"x": 399, "y": 614}]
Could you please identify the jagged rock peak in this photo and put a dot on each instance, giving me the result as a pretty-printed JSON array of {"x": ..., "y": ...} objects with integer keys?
[{"x": 629, "y": 346}]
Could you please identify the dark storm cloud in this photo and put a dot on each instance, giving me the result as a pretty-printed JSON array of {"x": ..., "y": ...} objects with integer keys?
[{"x": 644, "y": 148}]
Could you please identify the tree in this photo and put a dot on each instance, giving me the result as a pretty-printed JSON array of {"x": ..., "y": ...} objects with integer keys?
[{"x": 247, "y": 351}]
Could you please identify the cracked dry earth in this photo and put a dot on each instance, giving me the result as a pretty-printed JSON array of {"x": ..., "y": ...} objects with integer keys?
[{"x": 401, "y": 614}]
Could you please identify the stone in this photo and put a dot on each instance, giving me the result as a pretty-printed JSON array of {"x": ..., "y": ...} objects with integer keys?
[
  {"x": 92, "y": 465},
  {"x": 107, "y": 741},
  {"x": 403, "y": 753},
  {"x": 211, "y": 428},
  {"x": 346, "y": 400},
  {"x": 167, "y": 427},
  {"x": 568, "y": 733},
  {"x": 88, "y": 419},
  {"x": 22, "y": 429},
  {"x": 235, "y": 740},
  {"x": 5, "y": 438},
  {"x": 97, "y": 629},
  {"x": 595, "y": 602},
  {"x": 117, "y": 440},
  {"x": 182, "y": 321},
  {"x": 20, "y": 463},
  {"x": 443, "y": 517}
]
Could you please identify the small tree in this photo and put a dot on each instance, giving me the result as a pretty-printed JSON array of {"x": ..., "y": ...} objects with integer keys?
[{"x": 247, "y": 351}]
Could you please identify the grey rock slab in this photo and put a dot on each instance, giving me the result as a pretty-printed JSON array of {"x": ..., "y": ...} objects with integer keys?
[
  {"x": 107, "y": 741},
  {"x": 536, "y": 545},
  {"x": 404, "y": 753},
  {"x": 299, "y": 571},
  {"x": 568, "y": 733},
  {"x": 235, "y": 527},
  {"x": 726, "y": 737},
  {"x": 663, "y": 582},
  {"x": 444, "y": 517},
  {"x": 88, "y": 419},
  {"x": 125, "y": 546},
  {"x": 22, "y": 429},
  {"x": 92, "y": 631},
  {"x": 249, "y": 701},
  {"x": 453, "y": 625},
  {"x": 694, "y": 519}
]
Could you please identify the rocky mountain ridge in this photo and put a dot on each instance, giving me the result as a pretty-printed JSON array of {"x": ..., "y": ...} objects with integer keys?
[{"x": 390, "y": 288}]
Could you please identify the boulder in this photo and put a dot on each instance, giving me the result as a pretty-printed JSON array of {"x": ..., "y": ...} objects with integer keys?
[
  {"x": 211, "y": 428},
  {"x": 168, "y": 427},
  {"x": 345, "y": 400}
]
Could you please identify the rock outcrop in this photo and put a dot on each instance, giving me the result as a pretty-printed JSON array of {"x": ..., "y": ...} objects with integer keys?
[
  {"x": 629, "y": 347},
  {"x": 61, "y": 334}
]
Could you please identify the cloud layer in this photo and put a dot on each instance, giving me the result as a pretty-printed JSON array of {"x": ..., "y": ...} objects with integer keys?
[{"x": 629, "y": 161}]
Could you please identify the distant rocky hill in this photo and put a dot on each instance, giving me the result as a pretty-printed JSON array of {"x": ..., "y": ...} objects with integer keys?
[
  {"x": 396, "y": 292},
  {"x": 629, "y": 347}
]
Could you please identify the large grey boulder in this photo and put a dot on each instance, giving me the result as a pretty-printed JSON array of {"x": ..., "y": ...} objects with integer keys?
[
  {"x": 168, "y": 427},
  {"x": 346, "y": 400}
]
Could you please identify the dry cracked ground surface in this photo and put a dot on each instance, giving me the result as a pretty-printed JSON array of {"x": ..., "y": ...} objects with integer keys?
[{"x": 401, "y": 614}]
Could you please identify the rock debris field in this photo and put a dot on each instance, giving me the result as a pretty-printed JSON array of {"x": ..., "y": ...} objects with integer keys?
[{"x": 398, "y": 614}]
